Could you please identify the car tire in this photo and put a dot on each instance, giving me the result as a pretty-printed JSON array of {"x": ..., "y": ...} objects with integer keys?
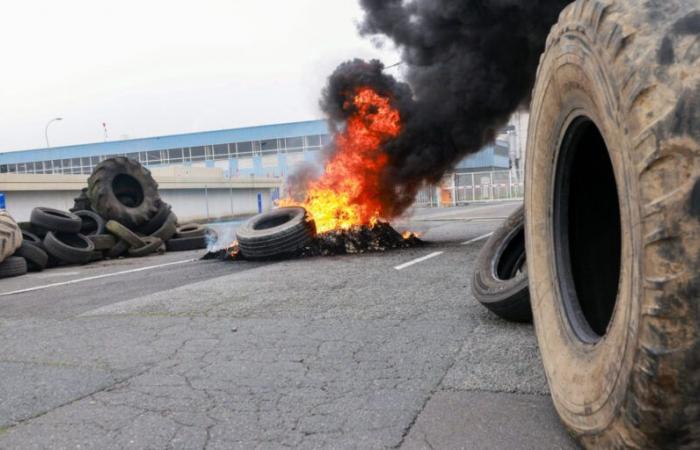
[
  {"x": 31, "y": 238},
  {"x": 10, "y": 236},
  {"x": 51, "y": 219},
  {"x": 69, "y": 248},
  {"x": 500, "y": 279},
  {"x": 156, "y": 221},
  {"x": 91, "y": 222},
  {"x": 34, "y": 255},
  {"x": 103, "y": 242},
  {"x": 121, "y": 189},
  {"x": 612, "y": 221},
  {"x": 190, "y": 230},
  {"x": 187, "y": 243},
  {"x": 168, "y": 229},
  {"x": 152, "y": 245},
  {"x": 277, "y": 233},
  {"x": 124, "y": 234},
  {"x": 13, "y": 266}
]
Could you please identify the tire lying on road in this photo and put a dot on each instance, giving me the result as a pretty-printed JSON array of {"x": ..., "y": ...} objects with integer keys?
[
  {"x": 122, "y": 189},
  {"x": 187, "y": 243},
  {"x": 276, "y": 233},
  {"x": 10, "y": 236},
  {"x": 151, "y": 245},
  {"x": 190, "y": 230},
  {"x": 69, "y": 248},
  {"x": 13, "y": 266},
  {"x": 613, "y": 221},
  {"x": 500, "y": 279},
  {"x": 35, "y": 256},
  {"x": 51, "y": 219}
]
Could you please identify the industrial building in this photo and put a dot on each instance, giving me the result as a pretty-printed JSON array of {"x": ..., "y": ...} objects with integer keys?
[{"x": 264, "y": 151}]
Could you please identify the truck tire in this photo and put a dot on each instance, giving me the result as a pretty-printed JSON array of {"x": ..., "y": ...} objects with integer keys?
[
  {"x": 13, "y": 266},
  {"x": 500, "y": 281},
  {"x": 613, "y": 221},
  {"x": 190, "y": 230},
  {"x": 122, "y": 189},
  {"x": 69, "y": 248},
  {"x": 51, "y": 219},
  {"x": 10, "y": 236},
  {"x": 187, "y": 243},
  {"x": 35, "y": 256},
  {"x": 276, "y": 233}
]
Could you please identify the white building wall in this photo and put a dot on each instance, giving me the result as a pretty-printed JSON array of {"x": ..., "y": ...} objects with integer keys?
[{"x": 188, "y": 204}]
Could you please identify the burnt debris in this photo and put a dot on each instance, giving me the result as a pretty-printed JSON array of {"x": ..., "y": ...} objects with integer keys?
[{"x": 361, "y": 239}]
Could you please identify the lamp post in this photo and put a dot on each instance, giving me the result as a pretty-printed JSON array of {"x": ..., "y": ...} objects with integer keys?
[{"x": 46, "y": 129}]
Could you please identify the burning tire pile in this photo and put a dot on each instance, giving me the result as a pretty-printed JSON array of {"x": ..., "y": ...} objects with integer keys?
[{"x": 119, "y": 214}]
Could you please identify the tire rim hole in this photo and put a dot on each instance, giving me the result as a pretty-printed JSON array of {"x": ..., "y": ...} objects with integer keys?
[
  {"x": 587, "y": 231},
  {"x": 272, "y": 222},
  {"x": 511, "y": 258},
  {"x": 128, "y": 190}
]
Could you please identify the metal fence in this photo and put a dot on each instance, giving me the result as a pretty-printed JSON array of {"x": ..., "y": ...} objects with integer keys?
[{"x": 460, "y": 189}]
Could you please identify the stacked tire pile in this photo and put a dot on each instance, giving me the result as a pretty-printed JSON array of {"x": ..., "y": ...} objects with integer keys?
[{"x": 119, "y": 214}]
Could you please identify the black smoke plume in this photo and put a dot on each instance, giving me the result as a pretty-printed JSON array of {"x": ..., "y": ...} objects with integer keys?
[{"x": 469, "y": 65}]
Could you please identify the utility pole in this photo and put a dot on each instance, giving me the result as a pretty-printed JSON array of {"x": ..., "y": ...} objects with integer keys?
[{"x": 46, "y": 129}]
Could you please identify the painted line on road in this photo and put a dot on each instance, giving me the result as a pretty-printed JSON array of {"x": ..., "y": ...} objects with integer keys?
[
  {"x": 418, "y": 260},
  {"x": 477, "y": 239},
  {"x": 95, "y": 277}
]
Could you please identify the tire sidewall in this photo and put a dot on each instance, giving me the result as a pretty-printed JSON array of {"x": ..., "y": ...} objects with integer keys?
[{"x": 588, "y": 381}]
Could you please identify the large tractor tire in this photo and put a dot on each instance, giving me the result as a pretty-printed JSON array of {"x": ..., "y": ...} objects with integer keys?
[
  {"x": 613, "y": 221},
  {"x": 10, "y": 236},
  {"x": 122, "y": 189}
]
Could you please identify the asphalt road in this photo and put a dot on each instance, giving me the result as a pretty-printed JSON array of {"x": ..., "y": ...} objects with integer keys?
[{"x": 336, "y": 352}]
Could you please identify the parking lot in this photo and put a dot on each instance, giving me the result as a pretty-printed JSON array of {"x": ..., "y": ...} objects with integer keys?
[{"x": 358, "y": 351}]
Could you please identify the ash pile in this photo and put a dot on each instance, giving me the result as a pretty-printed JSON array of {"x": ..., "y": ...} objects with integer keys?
[{"x": 291, "y": 232}]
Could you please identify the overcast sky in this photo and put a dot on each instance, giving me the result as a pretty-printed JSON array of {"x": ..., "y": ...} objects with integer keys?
[{"x": 157, "y": 67}]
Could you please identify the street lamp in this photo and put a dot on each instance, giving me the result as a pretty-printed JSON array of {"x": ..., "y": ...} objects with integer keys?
[{"x": 46, "y": 130}]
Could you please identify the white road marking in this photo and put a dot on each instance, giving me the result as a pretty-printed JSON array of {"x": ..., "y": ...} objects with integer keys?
[
  {"x": 95, "y": 277},
  {"x": 416, "y": 261},
  {"x": 477, "y": 239}
]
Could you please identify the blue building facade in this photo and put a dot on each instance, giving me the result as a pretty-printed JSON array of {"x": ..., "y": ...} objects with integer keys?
[{"x": 262, "y": 151}]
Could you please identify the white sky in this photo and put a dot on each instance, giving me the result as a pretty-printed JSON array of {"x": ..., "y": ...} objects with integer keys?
[{"x": 156, "y": 67}]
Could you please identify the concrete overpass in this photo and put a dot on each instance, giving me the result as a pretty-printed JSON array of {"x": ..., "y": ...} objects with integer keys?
[{"x": 196, "y": 194}]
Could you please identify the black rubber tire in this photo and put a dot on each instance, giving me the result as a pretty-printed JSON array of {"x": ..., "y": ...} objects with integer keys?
[
  {"x": 499, "y": 281},
  {"x": 81, "y": 202},
  {"x": 120, "y": 249},
  {"x": 156, "y": 221},
  {"x": 92, "y": 223},
  {"x": 69, "y": 248},
  {"x": 10, "y": 235},
  {"x": 612, "y": 194},
  {"x": 97, "y": 256},
  {"x": 277, "y": 233},
  {"x": 190, "y": 230},
  {"x": 122, "y": 189},
  {"x": 124, "y": 234},
  {"x": 152, "y": 244},
  {"x": 103, "y": 242},
  {"x": 184, "y": 244},
  {"x": 35, "y": 256},
  {"x": 51, "y": 219},
  {"x": 31, "y": 238},
  {"x": 13, "y": 266},
  {"x": 167, "y": 230}
]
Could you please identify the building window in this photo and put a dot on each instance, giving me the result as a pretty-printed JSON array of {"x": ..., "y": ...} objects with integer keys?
[
  {"x": 325, "y": 139},
  {"x": 221, "y": 151},
  {"x": 175, "y": 155},
  {"x": 3, "y": 168},
  {"x": 197, "y": 153},
  {"x": 244, "y": 148},
  {"x": 268, "y": 146},
  {"x": 313, "y": 141},
  {"x": 294, "y": 143}
]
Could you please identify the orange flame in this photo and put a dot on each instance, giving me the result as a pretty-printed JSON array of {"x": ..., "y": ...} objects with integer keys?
[{"x": 348, "y": 192}]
